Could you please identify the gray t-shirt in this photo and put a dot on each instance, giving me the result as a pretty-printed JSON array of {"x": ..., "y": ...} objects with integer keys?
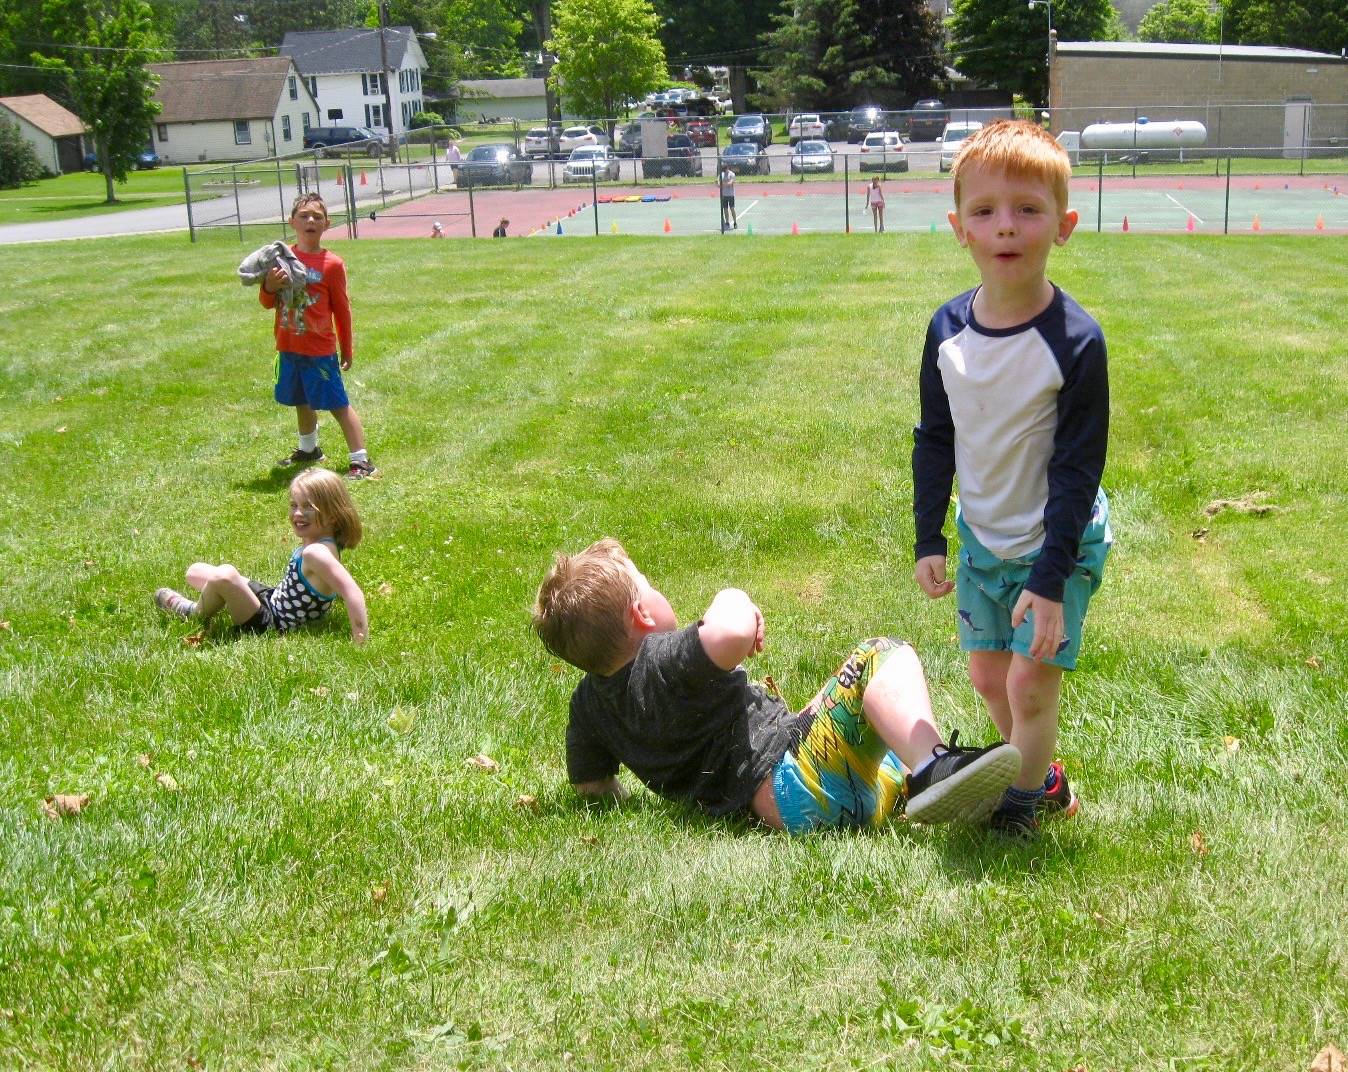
[{"x": 688, "y": 729}]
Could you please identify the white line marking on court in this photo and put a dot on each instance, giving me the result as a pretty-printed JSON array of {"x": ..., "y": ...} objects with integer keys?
[
  {"x": 1187, "y": 209},
  {"x": 746, "y": 210}
]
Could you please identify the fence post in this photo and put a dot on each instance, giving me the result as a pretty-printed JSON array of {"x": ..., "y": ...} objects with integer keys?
[
  {"x": 187, "y": 189},
  {"x": 1226, "y": 212},
  {"x": 847, "y": 192},
  {"x": 280, "y": 196},
  {"x": 594, "y": 196},
  {"x": 1100, "y": 193},
  {"x": 238, "y": 213},
  {"x": 472, "y": 213},
  {"x": 1134, "y": 142},
  {"x": 352, "y": 227}
]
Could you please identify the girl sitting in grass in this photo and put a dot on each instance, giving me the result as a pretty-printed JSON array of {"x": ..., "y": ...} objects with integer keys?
[{"x": 325, "y": 520}]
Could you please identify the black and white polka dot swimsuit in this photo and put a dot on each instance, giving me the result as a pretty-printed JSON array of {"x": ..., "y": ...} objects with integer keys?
[{"x": 294, "y": 602}]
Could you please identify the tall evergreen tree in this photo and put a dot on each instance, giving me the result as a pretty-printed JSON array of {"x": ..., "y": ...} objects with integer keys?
[{"x": 837, "y": 53}]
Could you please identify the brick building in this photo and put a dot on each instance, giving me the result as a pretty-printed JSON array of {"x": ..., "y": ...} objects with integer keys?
[{"x": 1270, "y": 101}]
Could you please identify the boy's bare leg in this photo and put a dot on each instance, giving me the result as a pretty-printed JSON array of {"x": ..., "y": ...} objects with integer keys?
[
  {"x": 898, "y": 707},
  {"x": 307, "y": 419},
  {"x": 988, "y": 671},
  {"x": 222, "y": 587},
  {"x": 1033, "y": 689},
  {"x": 350, "y": 424}
]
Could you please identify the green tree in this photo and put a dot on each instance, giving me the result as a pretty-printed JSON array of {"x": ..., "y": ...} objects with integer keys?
[
  {"x": 18, "y": 161},
  {"x": 1319, "y": 25},
  {"x": 827, "y": 54},
  {"x": 1004, "y": 43},
  {"x": 608, "y": 52},
  {"x": 104, "y": 78},
  {"x": 700, "y": 32},
  {"x": 1179, "y": 22}
]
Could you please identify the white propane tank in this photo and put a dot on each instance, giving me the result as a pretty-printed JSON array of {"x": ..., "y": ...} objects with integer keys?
[{"x": 1162, "y": 134}]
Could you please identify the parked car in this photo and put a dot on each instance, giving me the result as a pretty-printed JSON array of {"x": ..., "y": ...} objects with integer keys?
[
  {"x": 805, "y": 125},
  {"x": 597, "y": 161},
  {"x": 148, "y": 160},
  {"x": 682, "y": 158},
  {"x": 863, "y": 119},
  {"x": 951, "y": 137},
  {"x": 811, "y": 156},
  {"x": 883, "y": 151},
  {"x": 752, "y": 128},
  {"x": 344, "y": 140},
  {"x": 629, "y": 139},
  {"x": 541, "y": 143},
  {"x": 745, "y": 158},
  {"x": 702, "y": 132},
  {"x": 575, "y": 137},
  {"x": 498, "y": 164},
  {"x": 927, "y": 119}
]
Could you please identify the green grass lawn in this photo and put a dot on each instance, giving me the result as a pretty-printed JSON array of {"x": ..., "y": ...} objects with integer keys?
[
  {"x": 84, "y": 193},
  {"x": 331, "y": 886}
]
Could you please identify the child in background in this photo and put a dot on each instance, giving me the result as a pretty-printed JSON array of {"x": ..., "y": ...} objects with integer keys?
[
  {"x": 500, "y": 231},
  {"x": 875, "y": 201},
  {"x": 307, "y": 372},
  {"x": 324, "y": 518},
  {"x": 1015, "y": 402},
  {"x": 676, "y": 708}
]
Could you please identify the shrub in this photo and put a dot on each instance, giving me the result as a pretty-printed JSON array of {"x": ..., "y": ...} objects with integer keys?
[
  {"x": 18, "y": 161},
  {"x": 426, "y": 119}
]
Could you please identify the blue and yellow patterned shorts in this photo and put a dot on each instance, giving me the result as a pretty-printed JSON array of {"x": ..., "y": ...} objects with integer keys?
[{"x": 841, "y": 773}]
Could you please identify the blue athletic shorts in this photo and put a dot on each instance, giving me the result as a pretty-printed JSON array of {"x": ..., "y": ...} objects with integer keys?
[
  {"x": 315, "y": 382},
  {"x": 987, "y": 587}
]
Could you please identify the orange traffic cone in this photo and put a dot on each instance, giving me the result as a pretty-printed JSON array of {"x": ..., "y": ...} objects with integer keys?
[
  {"x": 1125, "y": 224},
  {"x": 1255, "y": 225},
  {"x": 363, "y": 180},
  {"x": 1189, "y": 224},
  {"x": 795, "y": 227},
  {"x": 1319, "y": 223},
  {"x": 341, "y": 179},
  {"x": 668, "y": 228}
]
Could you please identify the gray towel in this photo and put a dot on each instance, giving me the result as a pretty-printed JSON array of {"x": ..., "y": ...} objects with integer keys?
[{"x": 294, "y": 296}]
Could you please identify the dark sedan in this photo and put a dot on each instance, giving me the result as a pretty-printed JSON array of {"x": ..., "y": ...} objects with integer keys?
[
  {"x": 752, "y": 128},
  {"x": 745, "y": 158},
  {"x": 495, "y": 165}
]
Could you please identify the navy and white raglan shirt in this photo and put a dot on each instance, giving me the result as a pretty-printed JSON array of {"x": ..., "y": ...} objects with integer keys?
[{"x": 1021, "y": 415}]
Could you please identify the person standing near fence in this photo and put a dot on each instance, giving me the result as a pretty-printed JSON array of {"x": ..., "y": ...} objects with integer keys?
[
  {"x": 728, "y": 217},
  {"x": 875, "y": 201}
]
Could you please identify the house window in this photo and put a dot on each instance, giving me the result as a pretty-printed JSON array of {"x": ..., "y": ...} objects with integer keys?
[
  {"x": 372, "y": 85},
  {"x": 242, "y": 135},
  {"x": 294, "y": 87},
  {"x": 313, "y": 88},
  {"x": 402, "y": 81},
  {"x": 285, "y": 128},
  {"x": 163, "y": 131},
  {"x": 304, "y": 120}
]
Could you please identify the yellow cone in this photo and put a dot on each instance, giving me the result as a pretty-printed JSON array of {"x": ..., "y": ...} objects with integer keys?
[{"x": 613, "y": 227}]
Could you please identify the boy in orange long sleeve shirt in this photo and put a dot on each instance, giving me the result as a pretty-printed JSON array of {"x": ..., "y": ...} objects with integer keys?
[{"x": 308, "y": 376}]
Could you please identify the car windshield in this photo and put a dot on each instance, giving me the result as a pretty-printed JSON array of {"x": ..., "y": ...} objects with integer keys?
[
  {"x": 490, "y": 152},
  {"x": 574, "y": 132},
  {"x": 679, "y": 141},
  {"x": 741, "y": 148},
  {"x": 812, "y": 147},
  {"x": 747, "y": 122},
  {"x": 537, "y": 132},
  {"x": 875, "y": 140},
  {"x": 587, "y": 153},
  {"x": 807, "y": 118},
  {"x": 955, "y": 135}
]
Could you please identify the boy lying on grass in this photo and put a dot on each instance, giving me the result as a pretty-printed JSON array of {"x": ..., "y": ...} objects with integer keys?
[{"x": 676, "y": 708}]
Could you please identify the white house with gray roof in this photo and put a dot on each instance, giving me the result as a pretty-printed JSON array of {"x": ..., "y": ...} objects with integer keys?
[{"x": 344, "y": 70}]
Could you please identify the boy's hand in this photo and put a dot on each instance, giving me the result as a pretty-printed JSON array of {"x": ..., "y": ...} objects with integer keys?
[
  {"x": 346, "y": 362},
  {"x": 274, "y": 280},
  {"x": 1048, "y": 624},
  {"x": 930, "y": 576}
]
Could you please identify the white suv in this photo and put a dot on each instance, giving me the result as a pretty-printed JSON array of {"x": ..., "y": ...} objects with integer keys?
[
  {"x": 882, "y": 150},
  {"x": 951, "y": 137},
  {"x": 805, "y": 125}
]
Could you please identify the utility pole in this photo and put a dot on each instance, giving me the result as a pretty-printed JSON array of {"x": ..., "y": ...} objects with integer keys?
[
  {"x": 383, "y": 74},
  {"x": 542, "y": 13}
]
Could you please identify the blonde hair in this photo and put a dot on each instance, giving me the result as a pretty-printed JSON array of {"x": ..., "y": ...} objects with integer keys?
[
  {"x": 308, "y": 199},
  {"x": 324, "y": 492},
  {"x": 581, "y": 610},
  {"x": 1019, "y": 148}
]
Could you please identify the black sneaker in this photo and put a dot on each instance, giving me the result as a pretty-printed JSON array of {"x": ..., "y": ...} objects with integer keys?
[
  {"x": 1015, "y": 824},
  {"x": 361, "y": 471},
  {"x": 1059, "y": 801},
  {"x": 301, "y": 457},
  {"x": 958, "y": 783}
]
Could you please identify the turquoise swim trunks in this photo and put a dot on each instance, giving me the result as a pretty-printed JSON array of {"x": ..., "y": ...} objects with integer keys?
[{"x": 987, "y": 587}]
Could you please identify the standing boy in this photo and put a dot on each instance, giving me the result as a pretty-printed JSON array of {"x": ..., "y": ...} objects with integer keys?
[
  {"x": 1015, "y": 402},
  {"x": 728, "y": 217},
  {"x": 676, "y": 708},
  {"x": 307, "y": 372}
]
